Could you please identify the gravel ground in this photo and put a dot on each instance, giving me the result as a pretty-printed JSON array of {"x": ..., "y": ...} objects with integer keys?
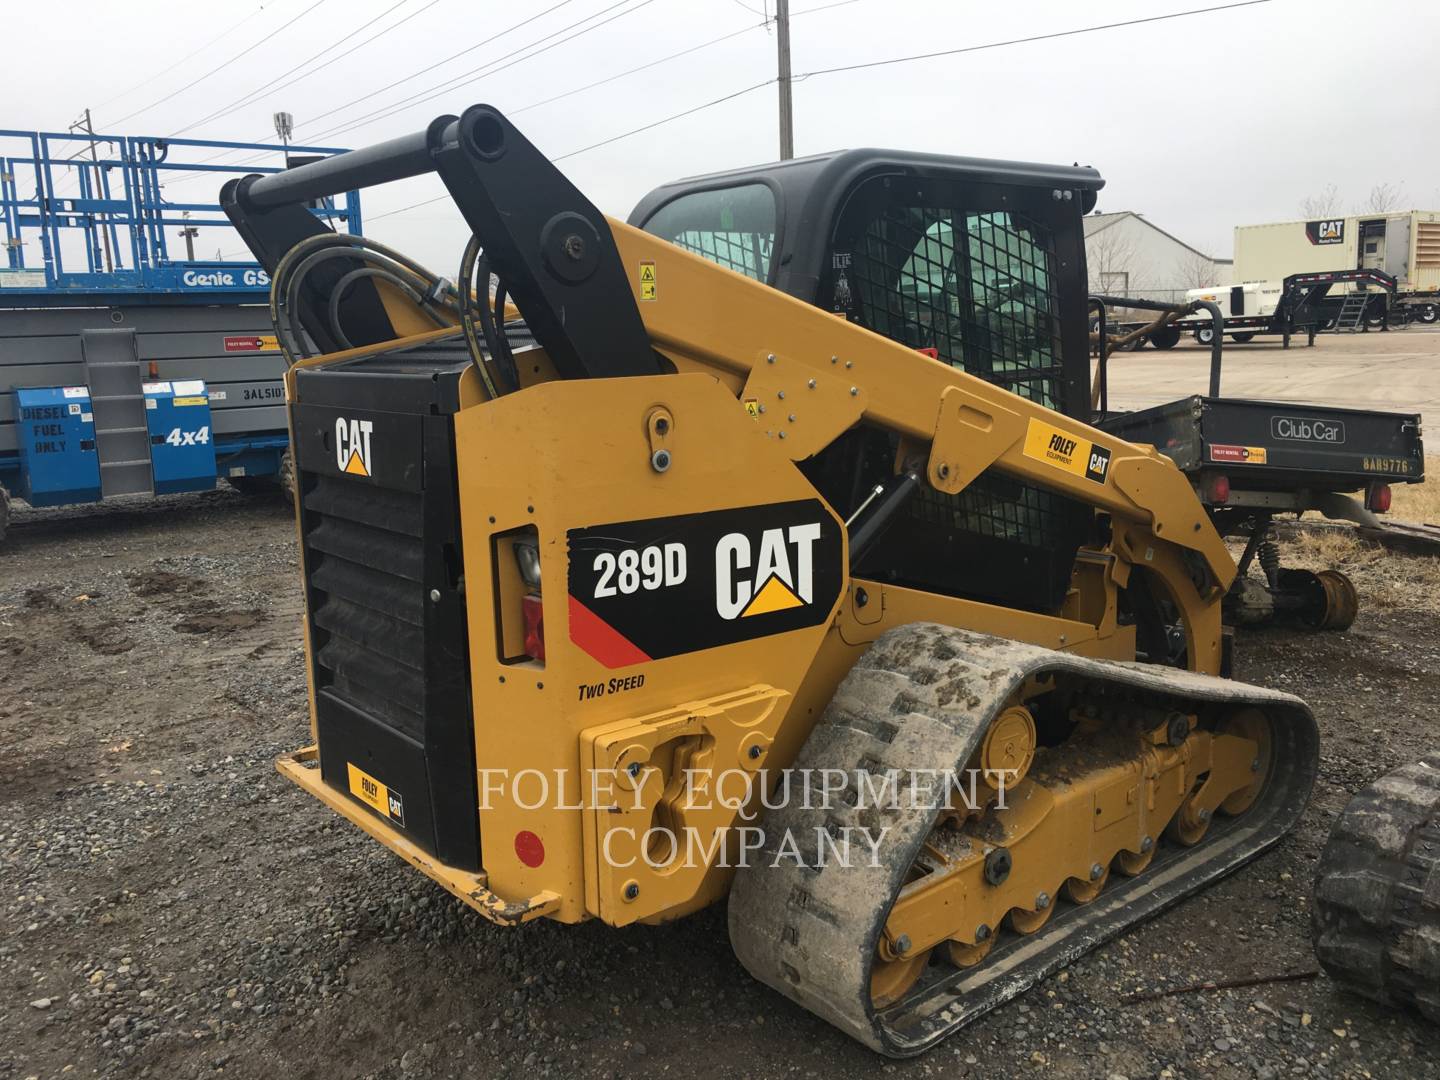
[{"x": 172, "y": 908}]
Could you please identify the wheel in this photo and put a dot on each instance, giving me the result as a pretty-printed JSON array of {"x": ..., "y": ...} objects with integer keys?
[
  {"x": 281, "y": 481},
  {"x": 1079, "y": 891},
  {"x": 1167, "y": 337},
  {"x": 286, "y": 474},
  {"x": 1428, "y": 313},
  {"x": 1134, "y": 863},
  {"x": 890, "y": 980},
  {"x": 1328, "y": 600},
  {"x": 1205, "y": 335},
  {"x": 1373, "y": 916},
  {"x": 1243, "y": 338}
]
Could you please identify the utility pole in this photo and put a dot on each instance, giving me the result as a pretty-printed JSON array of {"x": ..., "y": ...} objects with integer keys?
[
  {"x": 188, "y": 234},
  {"x": 285, "y": 127},
  {"x": 89, "y": 129},
  {"x": 787, "y": 113}
]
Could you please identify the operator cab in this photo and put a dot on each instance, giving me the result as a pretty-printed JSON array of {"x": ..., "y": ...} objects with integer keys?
[{"x": 980, "y": 264}]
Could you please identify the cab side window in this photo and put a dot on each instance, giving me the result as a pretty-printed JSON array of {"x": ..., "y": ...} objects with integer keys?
[{"x": 732, "y": 226}]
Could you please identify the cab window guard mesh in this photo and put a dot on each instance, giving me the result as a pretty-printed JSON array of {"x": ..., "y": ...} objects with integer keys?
[{"x": 976, "y": 287}]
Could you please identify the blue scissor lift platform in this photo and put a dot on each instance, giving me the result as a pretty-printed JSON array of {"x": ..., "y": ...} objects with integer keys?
[{"x": 125, "y": 370}]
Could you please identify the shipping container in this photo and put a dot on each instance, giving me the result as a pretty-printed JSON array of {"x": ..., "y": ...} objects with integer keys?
[{"x": 1403, "y": 244}]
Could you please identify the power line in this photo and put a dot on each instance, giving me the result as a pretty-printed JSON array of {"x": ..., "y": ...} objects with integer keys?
[
  {"x": 556, "y": 97},
  {"x": 269, "y": 85},
  {"x": 852, "y": 67},
  {"x": 184, "y": 59},
  {"x": 487, "y": 69},
  {"x": 1027, "y": 40},
  {"x": 453, "y": 56},
  {"x": 382, "y": 112},
  {"x": 604, "y": 142},
  {"x": 402, "y": 81},
  {"x": 636, "y": 70},
  {"x": 666, "y": 120},
  {"x": 221, "y": 67}
]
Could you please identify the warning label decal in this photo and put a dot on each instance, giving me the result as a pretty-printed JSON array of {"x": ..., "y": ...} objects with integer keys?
[{"x": 647, "y": 281}]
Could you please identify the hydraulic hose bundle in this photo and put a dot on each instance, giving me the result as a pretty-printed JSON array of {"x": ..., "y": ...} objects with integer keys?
[{"x": 441, "y": 302}]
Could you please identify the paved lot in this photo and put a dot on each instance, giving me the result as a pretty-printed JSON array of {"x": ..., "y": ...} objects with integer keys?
[{"x": 1398, "y": 370}]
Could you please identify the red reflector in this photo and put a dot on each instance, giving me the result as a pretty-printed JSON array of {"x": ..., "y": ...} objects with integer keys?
[
  {"x": 534, "y": 627},
  {"x": 1218, "y": 489},
  {"x": 528, "y": 848},
  {"x": 932, "y": 352},
  {"x": 1377, "y": 499}
]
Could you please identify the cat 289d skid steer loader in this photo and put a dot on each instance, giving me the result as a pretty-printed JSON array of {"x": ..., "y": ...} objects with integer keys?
[{"x": 634, "y": 581}]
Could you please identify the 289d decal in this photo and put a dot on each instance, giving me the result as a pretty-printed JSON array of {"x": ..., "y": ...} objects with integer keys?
[{"x": 644, "y": 590}]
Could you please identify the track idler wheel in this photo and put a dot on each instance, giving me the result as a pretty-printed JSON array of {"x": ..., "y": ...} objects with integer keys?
[
  {"x": 1373, "y": 917},
  {"x": 891, "y": 980}
]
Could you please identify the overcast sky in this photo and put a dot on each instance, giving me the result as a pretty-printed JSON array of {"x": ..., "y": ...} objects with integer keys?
[{"x": 1199, "y": 123}]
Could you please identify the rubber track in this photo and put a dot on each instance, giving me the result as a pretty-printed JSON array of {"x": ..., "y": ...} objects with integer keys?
[
  {"x": 921, "y": 698},
  {"x": 1376, "y": 909}
]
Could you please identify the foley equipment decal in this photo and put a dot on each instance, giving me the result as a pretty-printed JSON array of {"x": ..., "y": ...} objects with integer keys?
[
  {"x": 644, "y": 590},
  {"x": 1057, "y": 447},
  {"x": 374, "y": 794}
]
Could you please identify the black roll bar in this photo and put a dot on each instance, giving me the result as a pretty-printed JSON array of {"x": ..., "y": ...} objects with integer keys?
[{"x": 1217, "y": 321}]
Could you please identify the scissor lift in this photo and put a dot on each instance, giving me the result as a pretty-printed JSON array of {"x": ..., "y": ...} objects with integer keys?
[{"x": 124, "y": 369}]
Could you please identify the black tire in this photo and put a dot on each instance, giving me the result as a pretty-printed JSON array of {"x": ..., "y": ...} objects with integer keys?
[
  {"x": 1205, "y": 335},
  {"x": 286, "y": 474},
  {"x": 1428, "y": 313},
  {"x": 1372, "y": 923},
  {"x": 278, "y": 482},
  {"x": 1243, "y": 338},
  {"x": 1166, "y": 337}
]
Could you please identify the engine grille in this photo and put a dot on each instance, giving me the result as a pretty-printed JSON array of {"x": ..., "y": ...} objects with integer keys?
[
  {"x": 366, "y": 560},
  {"x": 374, "y": 444}
]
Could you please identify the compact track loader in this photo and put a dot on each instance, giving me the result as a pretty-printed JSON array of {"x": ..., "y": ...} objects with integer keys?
[{"x": 634, "y": 581}]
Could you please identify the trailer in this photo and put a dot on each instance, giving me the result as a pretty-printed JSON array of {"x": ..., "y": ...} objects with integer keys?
[
  {"x": 1403, "y": 244},
  {"x": 125, "y": 371},
  {"x": 1250, "y": 460},
  {"x": 1301, "y": 304}
]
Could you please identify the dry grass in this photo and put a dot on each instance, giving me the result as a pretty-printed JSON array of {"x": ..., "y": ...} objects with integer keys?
[
  {"x": 1418, "y": 502},
  {"x": 1386, "y": 580}
]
